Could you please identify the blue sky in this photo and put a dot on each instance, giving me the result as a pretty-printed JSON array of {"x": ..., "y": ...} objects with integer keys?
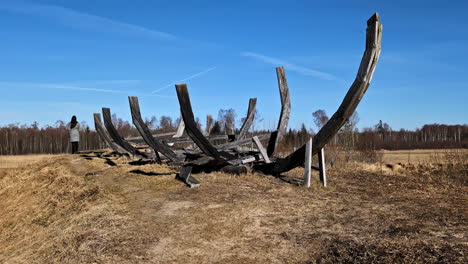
[{"x": 60, "y": 58}]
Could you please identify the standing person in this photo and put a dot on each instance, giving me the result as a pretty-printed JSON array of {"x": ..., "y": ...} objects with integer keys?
[{"x": 74, "y": 128}]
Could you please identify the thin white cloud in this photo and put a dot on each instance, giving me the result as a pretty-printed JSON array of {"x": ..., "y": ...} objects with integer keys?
[
  {"x": 290, "y": 66},
  {"x": 20, "y": 85},
  {"x": 184, "y": 80},
  {"x": 82, "y": 20}
]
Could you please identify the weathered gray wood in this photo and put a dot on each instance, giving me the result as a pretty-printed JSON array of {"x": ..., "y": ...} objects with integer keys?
[
  {"x": 308, "y": 163},
  {"x": 116, "y": 137},
  {"x": 209, "y": 125},
  {"x": 249, "y": 118},
  {"x": 144, "y": 131},
  {"x": 185, "y": 175},
  {"x": 262, "y": 150},
  {"x": 358, "y": 88},
  {"x": 241, "y": 142},
  {"x": 105, "y": 137},
  {"x": 189, "y": 140},
  {"x": 180, "y": 129},
  {"x": 248, "y": 160},
  {"x": 169, "y": 134},
  {"x": 322, "y": 168},
  {"x": 192, "y": 129},
  {"x": 349, "y": 104},
  {"x": 285, "y": 111}
]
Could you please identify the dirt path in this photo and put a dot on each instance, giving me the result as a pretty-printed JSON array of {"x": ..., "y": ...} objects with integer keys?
[{"x": 143, "y": 215}]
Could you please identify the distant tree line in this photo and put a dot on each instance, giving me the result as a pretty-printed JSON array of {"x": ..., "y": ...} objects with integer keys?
[{"x": 18, "y": 139}]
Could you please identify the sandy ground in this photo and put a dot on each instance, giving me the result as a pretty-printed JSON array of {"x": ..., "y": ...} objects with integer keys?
[{"x": 84, "y": 209}]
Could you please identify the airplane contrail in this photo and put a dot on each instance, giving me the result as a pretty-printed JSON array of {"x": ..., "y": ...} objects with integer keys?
[{"x": 183, "y": 80}]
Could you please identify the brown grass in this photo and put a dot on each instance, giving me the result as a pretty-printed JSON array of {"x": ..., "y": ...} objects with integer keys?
[
  {"x": 19, "y": 160},
  {"x": 69, "y": 209}
]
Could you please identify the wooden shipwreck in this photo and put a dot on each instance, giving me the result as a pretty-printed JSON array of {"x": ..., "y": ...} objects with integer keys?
[{"x": 204, "y": 155}]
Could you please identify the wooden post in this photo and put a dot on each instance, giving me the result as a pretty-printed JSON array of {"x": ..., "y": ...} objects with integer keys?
[
  {"x": 308, "y": 163},
  {"x": 180, "y": 128},
  {"x": 249, "y": 119},
  {"x": 261, "y": 149},
  {"x": 322, "y": 169},
  {"x": 285, "y": 111}
]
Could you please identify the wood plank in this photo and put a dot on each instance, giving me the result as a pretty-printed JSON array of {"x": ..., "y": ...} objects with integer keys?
[
  {"x": 308, "y": 163},
  {"x": 285, "y": 111},
  {"x": 241, "y": 142},
  {"x": 185, "y": 175},
  {"x": 105, "y": 137},
  {"x": 262, "y": 150},
  {"x": 116, "y": 137},
  {"x": 209, "y": 125},
  {"x": 180, "y": 128},
  {"x": 249, "y": 118},
  {"x": 169, "y": 134},
  {"x": 348, "y": 105},
  {"x": 192, "y": 129},
  {"x": 144, "y": 131},
  {"x": 322, "y": 168}
]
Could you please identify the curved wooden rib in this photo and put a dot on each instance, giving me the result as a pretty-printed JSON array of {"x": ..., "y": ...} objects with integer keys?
[
  {"x": 192, "y": 129},
  {"x": 105, "y": 137},
  {"x": 350, "y": 102},
  {"x": 285, "y": 111},
  {"x": 144, "y": 131},
  {"x": 116, "y": 137},
  {"x": 249, "y": 119}
]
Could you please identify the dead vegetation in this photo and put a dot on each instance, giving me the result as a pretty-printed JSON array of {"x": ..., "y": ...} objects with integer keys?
[{"x": 70, "y": 209}]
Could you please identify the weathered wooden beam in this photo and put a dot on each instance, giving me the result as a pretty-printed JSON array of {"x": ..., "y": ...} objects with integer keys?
[
  {"x": 116, "y": 137},
  {"x": 191, "y": 126},
  {"x": 144, "y": 131},
  {"x": 209, "y": 125},
  {"x": 248, "y": 119},
  {"x": 105, "y": 137},
  {"x": 180, "y": 128},
  {"x": 322, "y": 168},
  {"x": 262, "y": 150},
  {"x": 285, "y": 111},
  {"x": 349, "y": 104},
  {"x": 308, "y": 163},
  {"x": 169, "y": 134},
  {"x": 241, "y": 142},
  {"x": 358, "y": 88},
  {"x": 185, "y": 175},
  {"x": 189, "y": 140}
]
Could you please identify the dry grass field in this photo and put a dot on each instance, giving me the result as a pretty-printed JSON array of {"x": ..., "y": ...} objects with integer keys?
[{"x": 85, "y": 209}]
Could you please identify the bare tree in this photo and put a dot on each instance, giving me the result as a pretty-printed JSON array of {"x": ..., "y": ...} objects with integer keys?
[
  {"x": 320, "y": 118},
  {"x": 227, "y": 120},
  {"x": 165, "y": 124}
]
